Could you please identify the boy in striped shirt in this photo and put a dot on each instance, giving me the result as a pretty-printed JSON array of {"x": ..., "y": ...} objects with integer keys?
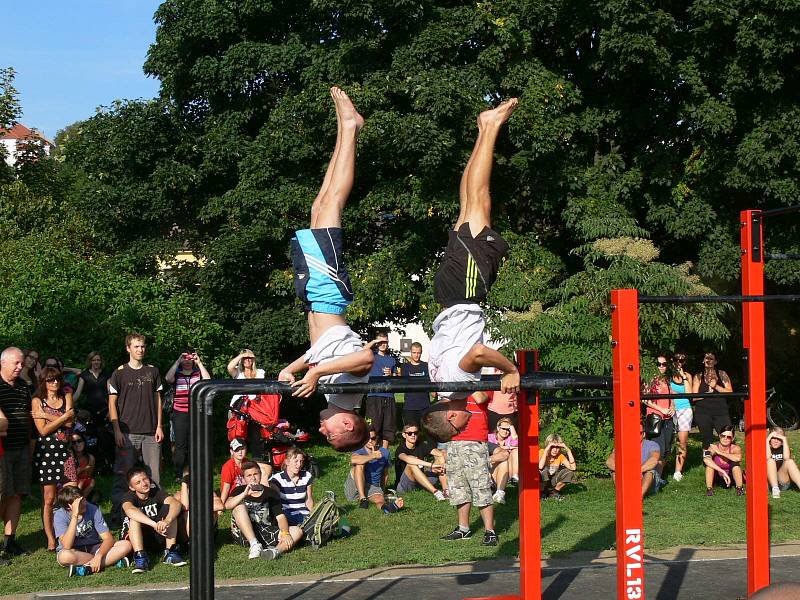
[{"x": 294, "y": 485}]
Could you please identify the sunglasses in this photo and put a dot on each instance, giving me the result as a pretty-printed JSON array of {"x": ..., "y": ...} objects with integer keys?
[
  {"x": 504, "y": 428},
  {"x": 373, "y": 439},
  {"x": 52, "y": 380},
  {"x": 726, "y": 435},
  {"x": 77, "y": 441},
  {"x": 412, "y": 432},
  {"x": 661, "y": 364}
]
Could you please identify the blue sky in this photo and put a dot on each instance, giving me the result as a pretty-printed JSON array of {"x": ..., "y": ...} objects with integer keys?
[{"x": 72, "y": 56}]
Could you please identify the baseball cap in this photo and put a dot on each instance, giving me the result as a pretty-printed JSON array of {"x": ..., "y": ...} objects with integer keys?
[{"x": 236, "y": 444}]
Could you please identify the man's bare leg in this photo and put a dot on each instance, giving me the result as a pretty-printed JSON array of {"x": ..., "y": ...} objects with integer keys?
[
  {"x": 329, "y": 203},
  {"x": 476, "y": 203}
]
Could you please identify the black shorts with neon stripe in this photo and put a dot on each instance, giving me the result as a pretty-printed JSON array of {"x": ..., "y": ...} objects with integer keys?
[{"x": 469, "y": 267}]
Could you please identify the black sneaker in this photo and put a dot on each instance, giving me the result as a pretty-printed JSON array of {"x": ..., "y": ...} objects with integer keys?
[
  {"x": 363, "y": 503},
  {"x": 12, "y": 548},
  {"x": 489, "y": 539},
  {"x": 457, "y": 534}
]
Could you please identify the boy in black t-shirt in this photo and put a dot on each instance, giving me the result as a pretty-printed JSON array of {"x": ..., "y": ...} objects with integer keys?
[
  {"x": 412, "y": 470},
  {"x": 151, "y": 521},
  {"x": 258, "y": 520}
]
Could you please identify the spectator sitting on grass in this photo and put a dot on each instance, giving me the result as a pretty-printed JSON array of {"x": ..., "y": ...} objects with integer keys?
[
  {"x": 781, "y": 468},
  {"x": 649, "y": 460},
  {"x": 556, "y": 466},
  {"x": 85, "y": 544},
  {"x": 505, "y": 436},
  {"x": 369, "y": 476},
  {"x": 723, "y": 463},
  {"x": 231, "y": 475},
  {"x": 182, "y": 496},
  {"x": 151, "y": 521},
  {"x": 293, "y": 485},
  {"x": 412, "y": 470},
  {"x": 257, "y": 519}
]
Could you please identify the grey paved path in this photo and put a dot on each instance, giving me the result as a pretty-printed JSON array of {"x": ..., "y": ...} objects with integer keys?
[{"x": 709, "y": 574}]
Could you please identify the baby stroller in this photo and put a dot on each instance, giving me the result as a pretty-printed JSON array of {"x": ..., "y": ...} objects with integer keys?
[{"x": 276, "y": 433}]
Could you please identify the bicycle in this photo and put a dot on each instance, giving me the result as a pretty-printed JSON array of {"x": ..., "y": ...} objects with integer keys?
[{"x": 780, "y": 413}]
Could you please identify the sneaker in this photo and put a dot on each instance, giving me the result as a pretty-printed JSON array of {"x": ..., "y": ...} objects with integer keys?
[
  {"x": 677, "y": 476},
  {"x": 123, "y": 563},
  {"x": 141, "y": 562},
  {"x": 255, "y": 550},
  {"x": 269, "y": 554},
  {"x": 554, "y": 495},
  {"x": 489, "y": 539},
  {"x": 79, "y": 571},
  {"x": 659, "y": 484},
  {"x": 457, "y": 534},
  {"x": 513, "y": 480},
  {"x": 173, "y": 557},
  {"x": 776, "y": 492},
  {"x": 363, "y": 503},
  {"x": 4, "y": 562},
  {"x": 710, "y": 492},
  {"x": 499, "y": 497},
  {"x": 740, "y": 491},
  {"x": 12, "y": 548},
  {"x": 439, "y": 495}
]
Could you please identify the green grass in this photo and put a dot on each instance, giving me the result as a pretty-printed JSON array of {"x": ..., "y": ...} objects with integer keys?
[{"x": 679, "y": 516}]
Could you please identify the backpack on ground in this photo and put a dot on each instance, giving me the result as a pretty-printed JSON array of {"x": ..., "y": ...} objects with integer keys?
[{"x": 323, "y": 522}]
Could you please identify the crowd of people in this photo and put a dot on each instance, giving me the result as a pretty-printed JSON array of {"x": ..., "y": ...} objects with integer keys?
[{"x": 51, "y": 415}]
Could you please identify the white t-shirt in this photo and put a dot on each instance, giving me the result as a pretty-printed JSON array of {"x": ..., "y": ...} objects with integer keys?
[
  {"x": 337, "y": 341},
  {"x": 455, "y": 331},
  {"x": 260, "y": 374}
]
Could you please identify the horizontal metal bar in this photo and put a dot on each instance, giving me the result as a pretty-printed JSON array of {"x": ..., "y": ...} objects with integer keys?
[
  {"x": 783, "y": 256},
  {"x": 541, "y": 380},
  {"x": 776, "y": 212},
  {"x": 568, "y": 399},
  {"x": 717, "y": 299},
  {"x": 712, "y": 395},
  {"x": 574, "y": 399}
]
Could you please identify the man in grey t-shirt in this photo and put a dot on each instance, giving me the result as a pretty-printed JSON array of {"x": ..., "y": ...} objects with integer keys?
[
  {"x": 134, "y": 408},
  {"x": 650, "y": 456}
]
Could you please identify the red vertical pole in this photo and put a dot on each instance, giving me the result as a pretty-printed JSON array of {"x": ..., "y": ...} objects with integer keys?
[
  {"x": 627, "y": 444},
  {"x": 755, "y": 413},
  {"x": 530, "y": 531}
]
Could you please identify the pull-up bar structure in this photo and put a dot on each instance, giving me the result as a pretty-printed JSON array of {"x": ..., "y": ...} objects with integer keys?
[{"x": 627, "y": 404}]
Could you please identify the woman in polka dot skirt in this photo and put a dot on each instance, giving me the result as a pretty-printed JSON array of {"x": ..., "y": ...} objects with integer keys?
[{"x": 54, "y": 462}]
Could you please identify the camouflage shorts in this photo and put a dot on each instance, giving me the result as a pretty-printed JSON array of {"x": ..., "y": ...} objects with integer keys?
[{"x": 468, "y": 478}]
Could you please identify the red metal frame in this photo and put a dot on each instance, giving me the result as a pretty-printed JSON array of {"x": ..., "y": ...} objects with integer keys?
[
  {"x": 530, "y": 531},
  {"x": 627, "y": 444},
  {"x": 755, "y": 414}
]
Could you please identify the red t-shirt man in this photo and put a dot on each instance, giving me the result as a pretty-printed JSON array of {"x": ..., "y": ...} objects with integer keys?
[{"x": 477, "y": 429}]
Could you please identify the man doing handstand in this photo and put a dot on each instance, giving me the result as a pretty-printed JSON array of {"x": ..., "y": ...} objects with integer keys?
[
  {"x": 470, "y": 266},
  {"x": 337, "y": 354}
]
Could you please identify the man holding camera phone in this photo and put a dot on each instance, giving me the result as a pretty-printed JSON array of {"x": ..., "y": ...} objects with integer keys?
[{"x": 258, "y": 521}]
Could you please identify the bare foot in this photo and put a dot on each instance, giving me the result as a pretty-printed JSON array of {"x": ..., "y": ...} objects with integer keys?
[
  {"x": 498, "y": 115},
  {"x": 345, "y": 111}
]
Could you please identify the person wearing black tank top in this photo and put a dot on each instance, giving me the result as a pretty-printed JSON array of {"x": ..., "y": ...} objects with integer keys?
[
  {"x": 782, "y": 471},
  {"x": 711, "y": 413}
]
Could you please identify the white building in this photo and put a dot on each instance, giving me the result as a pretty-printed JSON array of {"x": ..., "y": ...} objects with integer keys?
[{"x": 13, "y": 139}]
